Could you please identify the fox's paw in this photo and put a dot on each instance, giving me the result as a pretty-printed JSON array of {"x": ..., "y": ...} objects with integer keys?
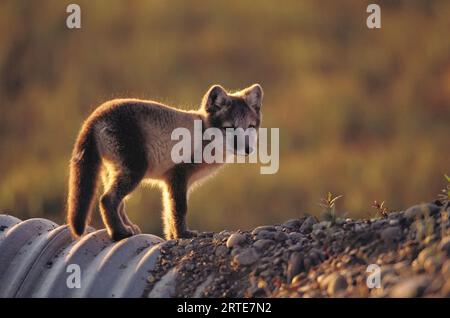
[
  {"x": 122, "y": 234},
  {"x": 188, "y": 234},
  {"x": 136, "y": 230}
]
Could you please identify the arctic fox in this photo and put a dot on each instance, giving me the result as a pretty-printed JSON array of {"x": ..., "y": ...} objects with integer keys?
[{"x": 127, "y": 141}]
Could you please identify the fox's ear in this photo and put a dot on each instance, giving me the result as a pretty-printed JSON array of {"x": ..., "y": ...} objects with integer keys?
[
  {"x": 215, "y": 98},
  {"x": 254, "y": 96}
]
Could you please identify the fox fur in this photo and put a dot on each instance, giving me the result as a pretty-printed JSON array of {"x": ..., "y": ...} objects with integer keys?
[{"x": 127, "y": 141}]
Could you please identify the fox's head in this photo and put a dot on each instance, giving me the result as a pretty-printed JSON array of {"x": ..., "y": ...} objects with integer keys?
[{"x": 238, "y": 113}]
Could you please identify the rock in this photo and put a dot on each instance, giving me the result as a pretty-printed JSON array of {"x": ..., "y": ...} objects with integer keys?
[
  {"x": 444, "y": 245},
  {"x": 391, "y": 234},
  {"x": 336, "y": 284},
  {"x": 221, "y": 250},
  {"x": 446, "y": 289},
  {"x": 262, "y": 244},
  {"x": 281, "y": 236},
  {"x": 297, "y": 247},
  {"x": 293, "y": 223},
  {"x": 318, "y": 234},
  {"x": 166, "y": 286},
  {"x": 358, "y": 228},
  {"x": 417, "y": 211},
  {"x": 393, "y": 222},
  {"x": 337, "y": 233},
  {"x": 393, "y": 215},
  {"x": 307, "y": 264},
  {"x": 269, "y": 228},
  {"x": 235, "y": 239},
  {"x": 411, "y": 287},
  {"x": 265, "y": 273},
  {"x": 424, "y": 255},
  {"x": 206, "y": 234},
  {"x": 246, "y": 257},
  {"x": 321, "y": 225},
  {"x": 267, "y": 235},
  {"x": 319, "y": 253},
  {"x": 378, "y": 224},
  {"x": 235, "y": 251},
  {"x": 446, "y": 268},
  {"x": 295, "y": 236},
  {"x": 308, "y": 224},
  {"x": 150, "y": 279},
  {"x": 222, "y": 234},
  {"x": 400, "y": 266},
  {"x": 433, "y": 264},
  {"x": 295, "y": 265},
  {"x": 389, "y": 279},
  {"x": 297, "y": 279}
]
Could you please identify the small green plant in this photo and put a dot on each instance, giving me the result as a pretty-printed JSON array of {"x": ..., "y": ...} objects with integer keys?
[
  {"x": 329, "y": 205},
  {"x": 381, "y": 208},
  {"x": 444, "y": 196}
]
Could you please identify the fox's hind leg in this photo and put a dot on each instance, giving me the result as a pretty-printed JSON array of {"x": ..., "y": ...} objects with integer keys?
[
  {"x": 110, "y": 203},
  {"x": 127, "y": 163}
]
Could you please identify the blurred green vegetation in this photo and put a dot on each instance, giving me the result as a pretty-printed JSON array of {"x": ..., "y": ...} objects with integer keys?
[{"x": 363, "y": 113}]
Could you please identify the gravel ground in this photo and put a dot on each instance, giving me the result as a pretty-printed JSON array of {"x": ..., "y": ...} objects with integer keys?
[{"x": 308, "y": 258}]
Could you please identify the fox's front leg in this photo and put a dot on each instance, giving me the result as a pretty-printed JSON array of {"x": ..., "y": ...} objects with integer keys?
[{"x": 175, "y": 207}]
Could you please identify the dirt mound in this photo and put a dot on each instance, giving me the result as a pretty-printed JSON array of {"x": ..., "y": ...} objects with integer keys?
[{"x": 405, "y": 254}]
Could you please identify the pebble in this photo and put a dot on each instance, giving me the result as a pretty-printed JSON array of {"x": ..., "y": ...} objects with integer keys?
[
  {"x": 336, "y": 284},
  {"x": 281, "y": 236},
  {"x": 221, "y": 235},
  {"x": 391, "y": 234},
  {"x": 264, "y": 234},
  {"x": 393, "y": 222},
  {"x": 419, "y": 210},
  {"x": 318, "y": 234},
  {"x": 379, "y": 224},
  {"x": 445, "y": 245},
  {"x": 308, "y": 224},
  {"x": 235, "y": 239},
  {"x": 295, "y": 265},
  {"x": 269, "y": 228},
  {"x": 262, "y": 244},
  {"x": 296, "y": 247},
  {"x": 393, "y": 215},
  {"x": 423, "y": 255},
  {"x": 358, "y": 228},
  {"x": 411, "y": 287},
  {"x": 221, "y": 250},
  {"x": 150, "y": 278},
  {"x": 293, "y": 223},
  {"x": 446, "y": 289},
  {"x": 246, "y": 257},
  {"x": 433, "y": 264},
  {"x": 446, "y": 268},
  {"x": 295, "y": 236}
]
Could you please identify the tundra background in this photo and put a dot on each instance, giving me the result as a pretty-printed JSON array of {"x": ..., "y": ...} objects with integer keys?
[{"x": 361, "y": 112}]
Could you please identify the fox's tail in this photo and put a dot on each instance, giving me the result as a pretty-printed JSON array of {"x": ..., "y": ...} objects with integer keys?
[{"x": 84, "y": 171}]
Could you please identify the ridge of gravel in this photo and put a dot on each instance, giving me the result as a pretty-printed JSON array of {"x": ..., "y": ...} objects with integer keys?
[{"x": 306, "y": 257}]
